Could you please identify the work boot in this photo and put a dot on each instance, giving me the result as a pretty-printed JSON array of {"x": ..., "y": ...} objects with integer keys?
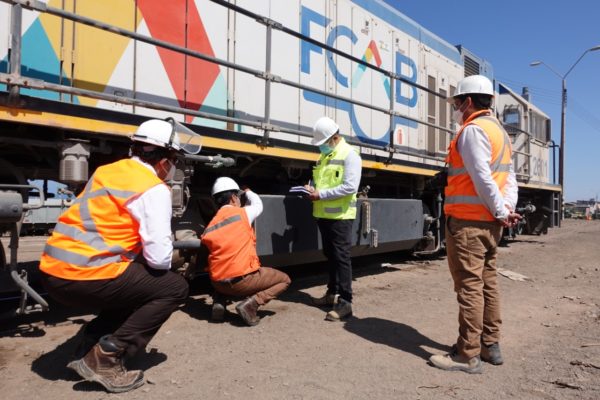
[
  {"x": 247, "y": 310},
  {"x": 104, "y": 364},
  {"x": 341, "y": 309},
  {"x": 491, "y": 354},
  {"x": 218, "y": 312},
  {"x": 84, "y": 346},
  {"x": 328, "y": 299},
  {"x": 455, "y": 362}
]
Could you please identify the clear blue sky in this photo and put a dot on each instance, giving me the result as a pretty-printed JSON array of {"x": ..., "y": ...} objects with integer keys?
[{"x": 511, "y": 34}]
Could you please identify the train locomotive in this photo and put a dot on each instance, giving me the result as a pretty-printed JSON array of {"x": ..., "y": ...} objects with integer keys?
[{"x": 251, "y": 77}]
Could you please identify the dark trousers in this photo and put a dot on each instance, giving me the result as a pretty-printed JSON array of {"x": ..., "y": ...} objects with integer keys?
[
  {"x": 337, "y": 238},
  {"x": 133, "y": 306}
]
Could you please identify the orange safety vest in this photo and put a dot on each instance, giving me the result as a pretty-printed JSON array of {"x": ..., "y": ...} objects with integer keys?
[
  {"x": 97, "y": 237},
  {"x": 461, "y": 200},
  {"x": 231, "y": 243}
]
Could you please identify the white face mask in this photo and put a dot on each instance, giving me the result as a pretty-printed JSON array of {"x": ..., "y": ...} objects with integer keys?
[
  {"x": 457, "y": 116},
  {"x": 458, "y": 113}
]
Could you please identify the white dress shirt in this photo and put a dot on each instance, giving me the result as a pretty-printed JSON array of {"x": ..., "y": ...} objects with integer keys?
[
  {"x": 475, "y": 149},
  {"x": 253, "y": 207},
  {"x": 152, "y": 210},
  {"x": 351, "y": 179}
]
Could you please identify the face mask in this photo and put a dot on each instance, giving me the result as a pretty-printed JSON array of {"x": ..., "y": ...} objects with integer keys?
[
  {"x": 457, "y": 114},
  {"x": 325, "y": 149},
  {"x": 165, "y": 169}
]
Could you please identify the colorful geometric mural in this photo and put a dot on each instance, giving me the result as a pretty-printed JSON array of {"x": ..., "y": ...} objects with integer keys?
[
  {"x": 371, "y": 52},
  {"x": 61, "y": 51}
]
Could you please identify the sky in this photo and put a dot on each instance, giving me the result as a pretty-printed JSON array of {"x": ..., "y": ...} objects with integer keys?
[{"x": 511, "y": 34}]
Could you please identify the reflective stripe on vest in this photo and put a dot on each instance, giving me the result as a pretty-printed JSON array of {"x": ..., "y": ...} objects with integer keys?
[
  {"x": 223, "y": 223},
  {"x": 461, "y": 199},
  {"x": 231, "y": 244},
  {"x": 91, "y": 237},
  {"x": 329, "y": 173},
  {"x": 78, "y": 249}
]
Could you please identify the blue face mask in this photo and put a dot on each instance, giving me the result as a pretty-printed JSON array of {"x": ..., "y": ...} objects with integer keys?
[{"x": 325, "y": 149}]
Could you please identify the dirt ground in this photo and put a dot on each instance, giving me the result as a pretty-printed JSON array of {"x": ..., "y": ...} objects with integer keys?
[{"x": 403, "y": 313}]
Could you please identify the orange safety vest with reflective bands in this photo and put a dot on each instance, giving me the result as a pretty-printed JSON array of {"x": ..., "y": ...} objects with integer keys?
[
  {"x": 97, "y": 237},
  {"x": 461, "y": 200},
  {"x": 231, "y": 243}
]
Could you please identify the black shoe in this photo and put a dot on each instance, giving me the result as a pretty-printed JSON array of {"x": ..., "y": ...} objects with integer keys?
[
  {"x": 217, "y": 313},
  {"x": 491, "y": 354},
  {"x": 341, "y": 309}
]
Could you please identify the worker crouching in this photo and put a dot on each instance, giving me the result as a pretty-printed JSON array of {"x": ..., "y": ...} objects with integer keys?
[
  {"x": 111, "y": 251},
  {"x": 233, "y": 265}
]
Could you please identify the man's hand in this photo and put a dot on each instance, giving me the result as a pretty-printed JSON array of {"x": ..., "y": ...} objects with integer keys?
[
  {"x": 314, "y": 193},
  {"x": 511, "y": 220}
]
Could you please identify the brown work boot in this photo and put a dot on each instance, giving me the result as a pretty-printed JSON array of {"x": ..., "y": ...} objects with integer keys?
[
  {"x": 455, "y": 362},
  {"x": 328, "y": 299},
  {"x": 104, "y": 364},
  {"x": 84, "y": 346},
  {"x": 247, "y": 310}
]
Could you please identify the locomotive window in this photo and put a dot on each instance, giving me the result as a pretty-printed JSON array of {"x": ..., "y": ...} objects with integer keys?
[
  {"x": 538, "y": 127},
  {"x": 512, "y": 117}
]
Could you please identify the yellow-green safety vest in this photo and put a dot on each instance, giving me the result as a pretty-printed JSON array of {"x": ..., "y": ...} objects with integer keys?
[{"x": 327, "y": 174}]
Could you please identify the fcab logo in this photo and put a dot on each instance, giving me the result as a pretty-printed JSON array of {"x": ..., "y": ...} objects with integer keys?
[{"x": 311, "y": 19}]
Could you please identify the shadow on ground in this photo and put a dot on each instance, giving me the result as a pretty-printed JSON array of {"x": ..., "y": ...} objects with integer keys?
[
  {"x": 52, "y": 365},
  {"x": 311, "y": 275},
  {"x": 394, "y": 334}
]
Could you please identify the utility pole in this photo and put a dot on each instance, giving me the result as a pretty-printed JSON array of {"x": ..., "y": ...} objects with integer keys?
[{"x": 563, "y": 112}]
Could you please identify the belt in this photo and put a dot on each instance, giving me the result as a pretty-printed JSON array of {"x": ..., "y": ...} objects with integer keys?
[{"x": 232, "y": 281}]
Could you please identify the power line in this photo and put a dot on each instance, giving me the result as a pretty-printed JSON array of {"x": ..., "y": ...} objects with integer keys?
[{"x": 521, "y": 84}]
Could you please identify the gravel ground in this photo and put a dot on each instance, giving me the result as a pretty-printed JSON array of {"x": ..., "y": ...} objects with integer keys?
[{"x": 403, "y": 313}]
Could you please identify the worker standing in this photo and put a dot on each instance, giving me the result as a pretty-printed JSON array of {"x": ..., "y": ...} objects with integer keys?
[
  {"x": 233, "y": 265},
  {"x": 481, "y": 195},
  {"x": 111, "y": 250},
  {"x": 335, "y": 182}
]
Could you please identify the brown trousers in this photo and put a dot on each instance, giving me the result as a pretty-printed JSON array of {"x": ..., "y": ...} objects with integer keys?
[
  {"x": 472, "y": 248},
  {"x": 264, "y": 284}
]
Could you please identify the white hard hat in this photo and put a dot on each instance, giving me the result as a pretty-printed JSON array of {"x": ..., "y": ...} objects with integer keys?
[
  {"x": 324, "y": 128},
  {"x": 474, "y": 84},
  {"x": 224, "y": 184},
  {"x": 158, "y": 133},
  {"x": 168, "y": 134}
]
